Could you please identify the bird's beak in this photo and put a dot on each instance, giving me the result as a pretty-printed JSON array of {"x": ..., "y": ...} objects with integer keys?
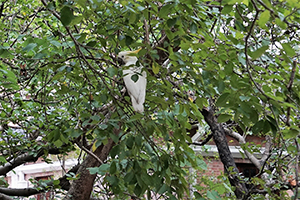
[
  {"x": 136, "y": 51},
  {"x": 120, "y": 61}
]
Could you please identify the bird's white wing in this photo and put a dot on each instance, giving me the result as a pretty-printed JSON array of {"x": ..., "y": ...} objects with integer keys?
[{"x": 136, "y": 90}]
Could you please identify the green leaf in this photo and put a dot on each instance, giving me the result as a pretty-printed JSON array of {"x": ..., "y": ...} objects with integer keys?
[
  {"x": 231, "y": 2},
  {"x": 58, "y": 143},
  {"x": 222, "y": 100},
  {"x": 266, "y": 127},
  {"x": 163, "y": 189},
  {"x": 112, "y": 180},
  {"x": 130, "y": 142},
  {"x": 93, "y": 170},
  {"x": 165, "y": 10},
  {"x": 128, "y": 40},
  {"x": 104, "y": 168},
  {"x": 258, "y": 52},
  {"x": 292, "y": 148},
  {"x": 268, "y": 3},
  {"x": 4, "y": 53},
  {"x": 76, "y": 133},
  {"x": 113, "y": 168},
  {"x": 227, "y": 9},
  {"x": 240, "y": 26},
  {"x": 115, "y": 151},
  {"x": 244, "y": 98},
  {"x": 40, "y": 55},
  {"x": 132, "y": 18},
  {"x": 56, "y": 182},
  {"x": 193, "y": 28},
  {"x": 103, "y": 98},
  {"x": 91, "y": 43},
  {"x": 114, "y": 137},
  {"x": 95, "y": 118},
  {"x": 147, "y": 179},
  {"x": 213, "y": 195},
  {"x": 201, "y": 163},
  {"x": 29, "y": 47},
  {"x": 66, "y": 15},
  {"x": 155, "y": 67},
  {"x": 258, "y": 126},
  {"x": 55, "y": 43},
  {"x": 280, "y": 23},
  {"x": 2, "y": 159},
  {"x": 264, "y": 18},
  {"x": 246, "y": 2},
  {"x": 220, "y": 189},
  {"x": 76, "y": 20},
  {"x": 242, "y": 59},
  {"x": 224, "y": 118},
  {"x": 103, "y": 126},
  {"x": 171, "y": 22},
  {"x": 288, "y": 49},
  {"x": 111, "y": 71},
  {"x": 138, "y": 190},
  {"x": 134, "y": 77},
  {"x": 103, "y": 42},
  {"x": 291, "y": 132},
  {"x": 221, "y": 86},
  {"x": 129, "y": 177},
  {"x": 293, "y": 3},
  {"x": 266, "y": 88}
]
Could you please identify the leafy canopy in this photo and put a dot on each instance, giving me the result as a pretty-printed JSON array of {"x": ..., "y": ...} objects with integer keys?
[{"x": 60, "y": 81}]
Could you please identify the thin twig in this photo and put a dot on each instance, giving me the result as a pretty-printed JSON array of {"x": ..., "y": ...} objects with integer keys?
[
  {"x": 246, "y": 50},
  {"x": 203, "y": 142},
  {"x": 265, "y": 6},
  {"x": 147, "y": 40},
  {"x": 89, "y": 152},
  {"x": 289, "y": 88}
]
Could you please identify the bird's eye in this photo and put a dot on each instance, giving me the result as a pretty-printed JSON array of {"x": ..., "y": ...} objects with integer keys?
[{"x": 122, "y": 56}]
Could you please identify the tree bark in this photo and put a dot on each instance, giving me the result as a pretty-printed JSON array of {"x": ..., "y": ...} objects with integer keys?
[
  {"x": 82, "y": 187},
  {"x": 24, "y": 158},
  {"x": 224, "y": 152},
  {"x": 26, "y": 192},
  {"x": 4, "y": 197}
]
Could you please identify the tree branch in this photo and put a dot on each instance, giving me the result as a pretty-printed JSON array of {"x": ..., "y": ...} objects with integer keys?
[
  {"x": 242, "y": 140},
  {"x": 147, "y": 40},
  {"x": 224, "y": 152},
  {"x": 5, "y": 197},
  {"x": 203, "y": 142},
  {"x": 26, "y": 192},
  {"x": 89, "y": 152},
  {"x": 289, "y": 88},
  {"x": 24, "y": 158},
  {"x": 267, "y": 152}
]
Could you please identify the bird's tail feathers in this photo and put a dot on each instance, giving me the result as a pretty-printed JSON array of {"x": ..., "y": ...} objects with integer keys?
[{"x": 138, "y": 107}]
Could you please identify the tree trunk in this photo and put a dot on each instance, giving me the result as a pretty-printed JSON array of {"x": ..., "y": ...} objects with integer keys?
[
  {"x": 82, "y": 187},
  {"x": 224, "y": 153}
]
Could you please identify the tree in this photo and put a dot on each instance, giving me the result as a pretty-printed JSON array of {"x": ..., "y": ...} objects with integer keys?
[{"x": 229, "y": 64}]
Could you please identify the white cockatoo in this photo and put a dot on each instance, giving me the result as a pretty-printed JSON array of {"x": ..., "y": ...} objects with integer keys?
[{"x": 134, "y": 79}]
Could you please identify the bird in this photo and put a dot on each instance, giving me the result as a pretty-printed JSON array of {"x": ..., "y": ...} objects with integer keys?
[{"x": 134, "y": 77}]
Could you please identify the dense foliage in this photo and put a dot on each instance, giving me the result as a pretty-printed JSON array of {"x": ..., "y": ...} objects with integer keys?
[{"x": 61, "y": 85}]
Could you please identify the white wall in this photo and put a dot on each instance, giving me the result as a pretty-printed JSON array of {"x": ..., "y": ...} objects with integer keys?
[{"x": 18, "y": 174}]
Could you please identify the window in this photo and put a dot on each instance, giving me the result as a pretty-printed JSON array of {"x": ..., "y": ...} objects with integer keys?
[{"x": 248, "y": 171}]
